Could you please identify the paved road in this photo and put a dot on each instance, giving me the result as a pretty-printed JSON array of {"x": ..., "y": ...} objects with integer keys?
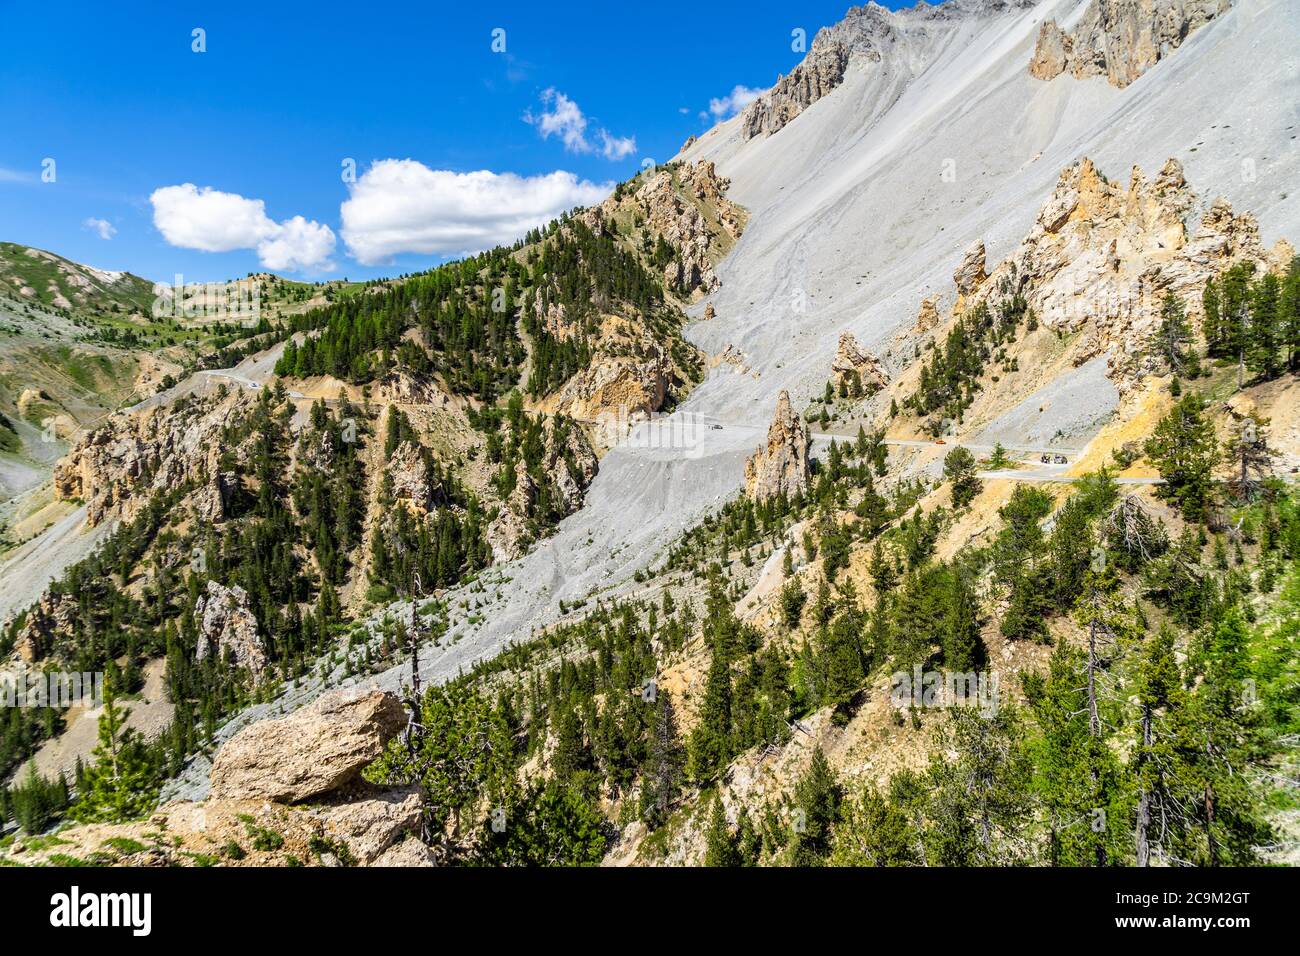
[{"x": 1047, "y": 474}]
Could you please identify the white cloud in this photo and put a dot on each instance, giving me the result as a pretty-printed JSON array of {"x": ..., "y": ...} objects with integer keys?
[
  {"x": 213, "y": 221},
  {"x": 400, "y": 205},
  {"x": 209, "y": 220},
  {"x": 299, "y": 245},
  {"x": 735, "y": 101},
  {"x": 616, "y": 147},
  {"x": 563, "y": 117},
  {"x": 105, "y": 228}
]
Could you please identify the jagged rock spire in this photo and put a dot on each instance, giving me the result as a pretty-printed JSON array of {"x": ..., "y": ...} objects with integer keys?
[{"x": 782, "y": 465}]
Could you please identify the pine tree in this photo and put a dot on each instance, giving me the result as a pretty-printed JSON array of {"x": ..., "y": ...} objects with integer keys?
[
  {"x": 664, "y": 766},
  {"x": 710, "y": 745},
  {"x": 1220, "y": 819},
  {"x": 959, "y": 468},
  {"x": 122, "y": 782},
  {"x": 1174, "y": 334},
  {"x": 978, "y": 804},
  {"x": 1077, "y": 776},
  {"x": 1251, "y": 456},
  {"x": 1212, "y": 324},
  {"x": 816, "y": 806},
  {"x": 1157, "y": 681},
  {"x": 1267, "y": 334},
  {"x": 1185, "y": 451},
  {"x": 963, "y": 643},
  {"x": 840, "y": 662},
  {"x": 720, "y": 847},
  {"x": 1235, "y": 314},
  {"x": 873, "y": 831},
  {"x": 1289, "y": 314}
]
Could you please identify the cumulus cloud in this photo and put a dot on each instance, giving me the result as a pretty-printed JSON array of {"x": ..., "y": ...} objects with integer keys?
[
  {"x": 213, "y": 221},
  {"x": 563, "y": 118},
  {"x": 616, "y": 147},
  {"x": 735, "y": 101},
  {"x": 298, "y": 244},
  {"x": 400, "y": 205},
  {"x": 103, "y": 227}
]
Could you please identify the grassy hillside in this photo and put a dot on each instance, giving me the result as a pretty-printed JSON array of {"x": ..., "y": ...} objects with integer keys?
[{"x": 37, "y": 276}]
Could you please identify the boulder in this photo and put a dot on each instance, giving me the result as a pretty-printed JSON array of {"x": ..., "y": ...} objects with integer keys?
[
  {"x": 410, "y": 852},
  {"x": 854, "y": 363},
  {"x": 314, "y": 751},
  {"x": 370, "y": 824}
]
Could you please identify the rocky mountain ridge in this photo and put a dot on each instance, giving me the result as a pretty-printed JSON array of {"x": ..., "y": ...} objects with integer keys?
[
  {"x": 1120, "y": 39},
  {"x": 1101, "y": 257},
  {"x": 866, "y": 35}
]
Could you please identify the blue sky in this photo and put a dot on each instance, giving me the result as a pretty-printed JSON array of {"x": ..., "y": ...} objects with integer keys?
[{"x": 219, "y": 163}]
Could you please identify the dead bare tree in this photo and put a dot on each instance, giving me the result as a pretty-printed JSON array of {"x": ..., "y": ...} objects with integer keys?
[
  {"x": 1252, "y": 457},
  {"x": 1130, "y": 527}
]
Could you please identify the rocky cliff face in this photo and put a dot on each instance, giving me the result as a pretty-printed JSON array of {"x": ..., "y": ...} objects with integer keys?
[
  {"x": 48, "y": 618},
  {"x": 781, "y": 466},
  {"x": 227, "y": 625},
  {"x": 1120, "y": 39},
  {"x": 687, "y": 206},
  {"x": 819, "y": 73},
  {"x": 618, "y": 387},
  {"x": 413, "y": 485},
  {"x": 568, "y": 468},
  {"x": 115, "y": 468},
  {"x": 639, "y": 360},
  {"x": 970, "y": 274},
  {"x": 1102, "y": 256}
]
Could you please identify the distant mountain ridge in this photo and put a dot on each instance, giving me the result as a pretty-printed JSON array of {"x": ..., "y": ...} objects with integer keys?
[{"x": 50, "y": 280}]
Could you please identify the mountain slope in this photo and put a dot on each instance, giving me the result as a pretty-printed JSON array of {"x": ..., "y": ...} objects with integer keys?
[
  {"x": 847, "y": 205},
  {"x": 43, "y": 278},
  {"x": 851, "y": 224}
]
